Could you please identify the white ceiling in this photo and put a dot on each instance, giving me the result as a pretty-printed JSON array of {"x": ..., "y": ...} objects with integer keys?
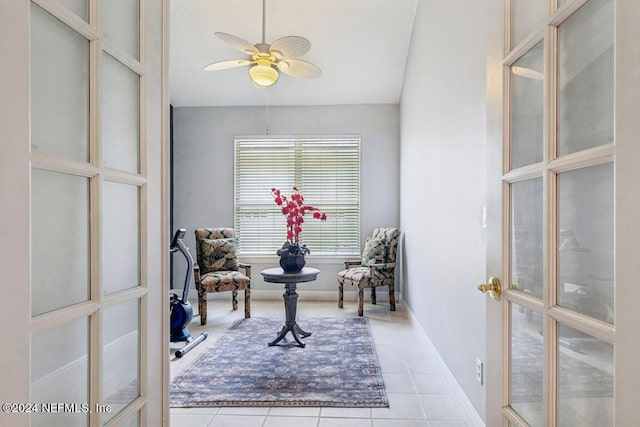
[{"x": 361, "y": 47}]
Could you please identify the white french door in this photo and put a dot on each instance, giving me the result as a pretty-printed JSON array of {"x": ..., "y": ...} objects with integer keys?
[
  {"x": 563, "y": 153},
  {"x": 89, "y": 163}
]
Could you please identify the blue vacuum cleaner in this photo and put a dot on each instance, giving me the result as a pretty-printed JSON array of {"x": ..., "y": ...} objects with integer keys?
[{"x": 180, "y": 308}]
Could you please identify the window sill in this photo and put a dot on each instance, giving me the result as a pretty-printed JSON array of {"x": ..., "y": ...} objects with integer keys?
[{"x": 315, "y": 259}]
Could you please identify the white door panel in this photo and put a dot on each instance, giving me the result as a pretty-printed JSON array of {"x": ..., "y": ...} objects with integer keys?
[
  {"x": 559, "y": 117},
  {"x": 86, "y": 224}
]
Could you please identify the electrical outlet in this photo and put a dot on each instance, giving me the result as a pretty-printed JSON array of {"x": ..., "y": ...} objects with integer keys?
[{"x": 479, "y": 370}]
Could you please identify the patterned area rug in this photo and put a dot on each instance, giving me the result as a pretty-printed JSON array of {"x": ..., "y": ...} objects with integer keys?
[{"x": 338, "y": 367}]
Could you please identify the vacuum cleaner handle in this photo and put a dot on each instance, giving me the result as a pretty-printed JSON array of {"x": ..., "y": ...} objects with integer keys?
[
  {"x": 177, "y": 236},
  {"x": 178, "y": 245}
]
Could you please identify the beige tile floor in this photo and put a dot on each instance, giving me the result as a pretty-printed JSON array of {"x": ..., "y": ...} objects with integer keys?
[{"x": 420, "y": 394}]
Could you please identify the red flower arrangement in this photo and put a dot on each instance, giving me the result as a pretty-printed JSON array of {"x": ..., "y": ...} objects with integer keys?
[{"x": 294, "y": 210}]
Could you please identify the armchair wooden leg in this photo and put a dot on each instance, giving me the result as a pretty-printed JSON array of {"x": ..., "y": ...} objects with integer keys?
[
  {"x": 202, "y": 306},
  {"x": 340, "y": 294},
  {"x": 373, "y": 296},
  {"x": 247, "y": 301},
  {"x": 392, "y": 297},
  {"x": 360, "y": 302},
  {"x": 234, "y": 299}
]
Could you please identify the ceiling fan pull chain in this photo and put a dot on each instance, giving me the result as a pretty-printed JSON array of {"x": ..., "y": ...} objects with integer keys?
[{"x": 264, "y": 20}]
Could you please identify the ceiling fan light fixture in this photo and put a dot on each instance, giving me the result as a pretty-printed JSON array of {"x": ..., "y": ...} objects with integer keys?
[{"x": 263, "y": 74}]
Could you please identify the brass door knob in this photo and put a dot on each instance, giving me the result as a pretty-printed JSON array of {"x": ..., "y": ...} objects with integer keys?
[{"x": 492, "y": 288}]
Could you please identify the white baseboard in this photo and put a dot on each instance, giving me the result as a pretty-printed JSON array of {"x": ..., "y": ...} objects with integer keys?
[
  {"x": 303, "y": 295},
  {"x": 459, "y": 394}
]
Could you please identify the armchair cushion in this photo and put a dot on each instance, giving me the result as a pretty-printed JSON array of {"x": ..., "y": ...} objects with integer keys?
[
  {"x": 217, "y": 255},
  {"x": 375, "y": 251},
  {"x": 358, "y": 276},
  {"x": 221, "y": 281}
]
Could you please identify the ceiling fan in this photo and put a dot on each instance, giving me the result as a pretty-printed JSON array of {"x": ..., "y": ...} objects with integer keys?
[{"x": 266, "y": 59}]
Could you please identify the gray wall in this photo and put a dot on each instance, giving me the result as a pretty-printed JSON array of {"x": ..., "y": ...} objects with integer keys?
[
  {"x": 203, "y": 164},
  {"x": 442, "y": 166}
]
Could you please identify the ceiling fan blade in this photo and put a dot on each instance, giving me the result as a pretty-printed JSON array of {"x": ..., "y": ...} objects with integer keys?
[
  {"x": 299, "y": 68},
  {"x": 225, "y": 65},
  {"x": 238, "y": 43},
  {"x": 290, "y": 47}
]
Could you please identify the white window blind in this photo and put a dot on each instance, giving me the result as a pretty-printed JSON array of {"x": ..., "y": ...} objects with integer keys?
[{"x": 326, "y": 172}]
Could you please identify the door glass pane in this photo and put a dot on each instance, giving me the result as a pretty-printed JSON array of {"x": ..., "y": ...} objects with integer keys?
[
  {"x": 527, "y": 364},
  {"x": 526, "y": 17},
  {"x": 79, "y": 7},
  {"x": 59, "y": 375},
  {"x": 120, "y": 22},
  {"x": 585, "y": 380},
  {"x": 133, "y": 421},
  {"x": 586, "y": 78},
  {"x": 120, "y": 237},
  {"x": 121, "y": 350},
  {"x": 526, "y": 108},
  {"x": 59, "y": 240},
  {"x": 59, "y": 88},
  {"x": 586, "y": 241},
  {"x": 120, "y": 115},
  {"x": 526, "y": 236}
]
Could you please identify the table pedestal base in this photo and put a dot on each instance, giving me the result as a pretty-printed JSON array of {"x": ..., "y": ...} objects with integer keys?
[
  {"x": 296, "y": 332},
  {"x": 290, "y": 307}
]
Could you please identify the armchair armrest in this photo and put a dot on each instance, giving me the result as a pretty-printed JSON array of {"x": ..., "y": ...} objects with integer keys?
[
  {"x": 352, "y": 263},
  {"x": 383, "y": 265},
  {"x": 246, "y": 268}
]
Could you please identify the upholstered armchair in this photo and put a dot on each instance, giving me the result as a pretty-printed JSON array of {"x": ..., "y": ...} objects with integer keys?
[
  {"x": 218, "y": 270},
  {"x": 376, "y": 268}
]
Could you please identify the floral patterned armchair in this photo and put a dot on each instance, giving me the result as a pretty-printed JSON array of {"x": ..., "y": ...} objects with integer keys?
[
  {"x": 217, "y": 269},
  {"x": 376, "y": 268}
]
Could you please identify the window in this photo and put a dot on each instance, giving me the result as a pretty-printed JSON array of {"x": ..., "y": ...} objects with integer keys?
[{"x": 327, "y": 173}]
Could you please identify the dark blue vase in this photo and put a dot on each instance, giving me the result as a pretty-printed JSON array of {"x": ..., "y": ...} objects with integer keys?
[{"x": 291, "y": 262}]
